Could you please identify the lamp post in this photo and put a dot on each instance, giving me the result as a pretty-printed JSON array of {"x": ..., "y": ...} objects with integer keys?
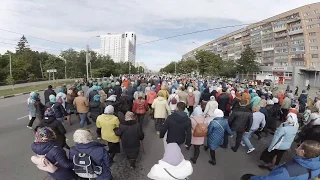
[
  {"x": 87, "y": 57},
  {"x": 65, "y": 66}
]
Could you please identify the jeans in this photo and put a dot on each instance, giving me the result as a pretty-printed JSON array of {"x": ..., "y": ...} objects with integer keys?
[
  {"x": 83, "y": 119},
  {"x": 246, "y": 138}
]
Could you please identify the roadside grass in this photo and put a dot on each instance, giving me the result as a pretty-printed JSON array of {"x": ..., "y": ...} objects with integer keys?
[{"x": 8, "y": 92}]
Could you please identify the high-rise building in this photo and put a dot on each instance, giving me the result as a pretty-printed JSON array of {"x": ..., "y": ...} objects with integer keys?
[
  {"x": 121, "y": 47},
  {"x": 282, "y": 43}
]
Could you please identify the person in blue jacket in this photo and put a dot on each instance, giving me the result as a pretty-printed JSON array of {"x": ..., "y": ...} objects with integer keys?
[
  {"x": 99, "y": 155},
  {"x": 305, "y": 165}
]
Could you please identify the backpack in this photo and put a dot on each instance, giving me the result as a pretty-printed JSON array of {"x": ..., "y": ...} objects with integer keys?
[
  {"x": 200, "y": 130},
  {"x": 59, "y": 100},
  {"x": 174, "y": 100},
  {"x": 84, "y": 167},
  {"x": 43, "y": 163}
]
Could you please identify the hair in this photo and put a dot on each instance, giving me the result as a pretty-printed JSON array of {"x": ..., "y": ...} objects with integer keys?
[
  {"x": 224, "y": 89},
  {"x": 243, "y": 102},
  {"x": 311, "y": 148},
  {"x": 50, "y": 87},
  {"x": 181, "y": 106},
  {"x": 182, "y": 88},
  {"x": 80, "y": 92},
  {"x": 256, "y": 108}
]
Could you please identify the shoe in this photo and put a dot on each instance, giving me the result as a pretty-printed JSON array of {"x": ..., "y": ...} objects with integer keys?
[
  {"x": 206, "y": 148},
  {"x": 98, "y": 138},
  {"x": 158, "y": 132},
  {"x": 250, "y": 150},
  {"x": 242, "y": 144},
  {"x": 213, "y": 162},
  {"x": 193, "y": 161},
  {"x": 234, "y": 149},
  {"x": 29, "y": 127}
]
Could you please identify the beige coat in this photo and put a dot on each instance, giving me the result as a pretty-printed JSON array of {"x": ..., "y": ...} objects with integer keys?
[
  {"x": 161, "y": 108},
  {"x": 183, "y": 96},
  {"x": 82, "y": 104}
]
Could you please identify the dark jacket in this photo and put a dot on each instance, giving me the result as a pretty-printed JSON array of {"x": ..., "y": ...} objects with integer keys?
[
  {"x": 99, "y": 156},
  {"x": 143, "y": 86},
  {"x": 303, "y": 98},
  {"x": 92, "y": 94},
  {"x": 214, "y": 93},
  {"x": 58, "y": 109},
  {"x": 130, "y": 92},
  {"x": 178, "y": 126},
  {"x": 55, "y": 154},
  {"x": 117, "y": 90},
  {"x": 205, "y": 96},
  {"x": 130, "y": 134},
  {"x": 124, "y": 104},
  {"x": 96, "y": 108},
  {"x": 58, "y": 129},
  {"x": 223, "y": 101},
  {"x": 235, "y": 103},
  {"x": 47, "y": 93},
  {"x": 40, "y": 108},
  {"x": 241, "y": 119},
  {"x": 312, "y": 133}
]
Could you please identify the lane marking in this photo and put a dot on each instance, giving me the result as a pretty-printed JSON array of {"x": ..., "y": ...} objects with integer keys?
[
  {"x": 22, "y": 117},
  {"x": 24, "y": 101}
]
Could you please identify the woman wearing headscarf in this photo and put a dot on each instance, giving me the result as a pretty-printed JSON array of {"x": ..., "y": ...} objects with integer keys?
[
  {"x": 45, "y": 145},
  {"x": 58, "y": 109},
  {"x": 161, "y": 111},
  {"x": 281, "y": 142},
  {"x": 164, "y": 92},
  {"x": 106, "y": 123},
  {"x": 196, "y": 118},
  {"x": 130, "y": 134},
  {"x": 61, "y": 97},
  {"x": 215, "y": 135},
  {"x": 99, "y": 155},
  {"x": 255, "y": 100},
  {"x": 173, "y": 100},
  {"x": 235, "y": 102},
  {"x": 246, "y": 96},
  {"x": 124, "y": 104},
  {"x": 70, "y": 109},
  {"x": 96, "y": 108},
  {"x": 172, "y": 166},
  {"x": 211, "y": 106},
  {"x": 31, "y": 109}
]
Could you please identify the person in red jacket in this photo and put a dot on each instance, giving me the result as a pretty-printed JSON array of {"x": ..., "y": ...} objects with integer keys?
[
  {"x": 150, "y": 98},
  {"x": 140, "y": 107}
]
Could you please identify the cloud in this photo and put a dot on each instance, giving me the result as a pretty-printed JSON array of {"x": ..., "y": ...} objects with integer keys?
[{"x": 73, "y": 22}]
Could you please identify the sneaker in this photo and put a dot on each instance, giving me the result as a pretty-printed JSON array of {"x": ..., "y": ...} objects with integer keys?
[
  {"x": 250, "y": 150},
  {"x": 242, "y": 144},
  {"x": 158, "y": 132},
  {"x": 29, "y": 127}
]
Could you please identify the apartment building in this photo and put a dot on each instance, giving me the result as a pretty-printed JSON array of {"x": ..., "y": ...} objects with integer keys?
[
  {"x": 284, "y": 41},
  {"x": 121, "y": 47}
]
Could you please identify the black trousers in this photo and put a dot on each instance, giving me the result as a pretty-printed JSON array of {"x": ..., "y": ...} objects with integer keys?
[
  {"x": 196, "y": 152},
  {"x": 237, "y": 143},
  {"x": 140, "y": 118},
  {"x": 190, "y": 109},
  {"x": 31, "y": 121},
  {"x": 284, "y": 114},
  {"x": 158, "y": 123},
  {"x": 267, "y": 156}
]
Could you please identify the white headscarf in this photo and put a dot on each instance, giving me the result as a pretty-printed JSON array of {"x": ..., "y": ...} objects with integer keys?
[
  {"x": 292, "y": 119},
  {"x": 82, "y": 136},
  {"x": 218, "y": 113},
  {"x": 109, "y": 110},
  {"x": 212, "y": 98},
  {"x": 197, "y": 111},
  {"x": 172, "y": 154}
]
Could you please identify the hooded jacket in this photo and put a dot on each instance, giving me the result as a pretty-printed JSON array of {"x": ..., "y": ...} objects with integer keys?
[
  {"x": 303, "y": 98},
  {"x": 98, "y": 154},
  {"x": 161, "y": 108},
  {"x": 178, "y": 128},
  {"x": 58, "y": 109},
  {"x": 151, "y": 96},
  {"x": 241, "y": 119},
  {"x": 300, "y": 172},
  {"x": 96, "y": 108},
  {"x": 164, "y": 92},
  {"x": 107, "y": 123},
  {"x": 55, "y": 154}
]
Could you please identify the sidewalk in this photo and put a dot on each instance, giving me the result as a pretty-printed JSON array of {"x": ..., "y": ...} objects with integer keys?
[{"x": 33, "y": 84}]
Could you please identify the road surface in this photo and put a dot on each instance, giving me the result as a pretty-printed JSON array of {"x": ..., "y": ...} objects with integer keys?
[
  {"x": 16, "y": 138},
  {"x": 33, "y": 83}
]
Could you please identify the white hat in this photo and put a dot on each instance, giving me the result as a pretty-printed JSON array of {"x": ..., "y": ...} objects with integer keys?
[{"x": 109, "y": 110}]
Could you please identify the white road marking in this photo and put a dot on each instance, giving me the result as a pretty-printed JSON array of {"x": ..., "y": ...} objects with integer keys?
[
  {"x": 23, "y": 117},
  {"x": 24, "y": 101}
]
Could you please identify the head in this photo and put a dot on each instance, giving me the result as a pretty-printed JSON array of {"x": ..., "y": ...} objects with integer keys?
[
  {"x": 35, "y": 96},
  {"x": 64, "y": 85},
  {"x": 309, "y": 149},
  {"x": 117, "y": 83},
  {"x": 254, "y": 91},
  {"x": 181, "y": 106},
  {"x": 224, "y": 89},
  {"x": 304, "y": 91},
  {"x": 129, "y": 116},
  {"x": 52, "y": 98},
  {"x": 246, "y": 91},
  {"x": 190, "y": 90},
  {"x": 82, "y": 136},
  {"x": 197, "y": 111},
  {"x": 256, "y": 108},
  {"x": 160, "y": 94},
  {"x": 109, "y": 110},
  {"x": 212, "y": 98},
  {"x": 44, "y": 134},
  {"x": 263, "y": 97},
  {"x": 183, "y": 88},
  {"x": 243, "y": 102},
  {"x": 218, "y": 113},
  {"x": 238, "y": 95},
  {"x": 81, "y": 93},
  {"x": 50, "y": 87},
  {"x": 96, "y": 98},
  {"x": 172, "y": 154},
  {"x": 70, "y": 91},
  {"x": 60, "y": 90}
]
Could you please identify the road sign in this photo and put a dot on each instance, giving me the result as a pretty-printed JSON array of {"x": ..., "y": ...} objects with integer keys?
[{"x": 51, "y": 70}]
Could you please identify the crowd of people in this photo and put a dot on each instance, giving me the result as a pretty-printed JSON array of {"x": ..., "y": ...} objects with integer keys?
[{"x": 187, "y": 112}]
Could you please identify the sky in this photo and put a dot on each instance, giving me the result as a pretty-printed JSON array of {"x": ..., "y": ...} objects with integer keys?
[{"x": 56, "y": 25}]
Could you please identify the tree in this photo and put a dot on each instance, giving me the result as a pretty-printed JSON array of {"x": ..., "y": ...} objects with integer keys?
[
  {"x": 22, "y": 45},
  {"x": 247, "y": 62},
  {"x": 170, "y": 68},
  {"x": 208, "y": 62},
  {"x": 228, "y": 69}
]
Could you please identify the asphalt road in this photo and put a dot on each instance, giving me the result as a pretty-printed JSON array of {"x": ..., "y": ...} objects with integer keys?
[{"x": 16, "y": 138}]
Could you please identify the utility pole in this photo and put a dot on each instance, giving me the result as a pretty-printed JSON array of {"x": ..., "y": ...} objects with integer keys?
[
  {"x": 65, "y": 69},
  {"x": 175, "y": 68},
  {"x": 87, "y": 62},
  {"x": 129, "y": 67},
  {"x": 41, "y": 69},
  {"x": 10, "y": 66},
  {"x": 90, "y": 70}
]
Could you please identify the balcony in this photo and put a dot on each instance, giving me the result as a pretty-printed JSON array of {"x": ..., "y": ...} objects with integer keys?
[
  {"x": 299, "y": 31},
  {"x": 280, "y": 35},
  {"x": 293, "y": 19},
  {"x": 268, "y": 49},
  {"x": 246, "y": 33},
  {"x": 281, "y": 28}
]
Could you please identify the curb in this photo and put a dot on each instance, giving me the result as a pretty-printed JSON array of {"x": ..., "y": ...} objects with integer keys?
[{"x": 19, "y": 94}]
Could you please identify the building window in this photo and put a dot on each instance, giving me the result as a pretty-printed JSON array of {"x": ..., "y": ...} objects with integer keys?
[
  {"x": 306, "y": 14},
  {"x": 310, "y": 26},
  {"x": 315, "y": 11},
  {"x": 313, "y": 47},
  {"x": 312, "y": 40},
  {"x": 288, "y": 74},
  {"x": 315, "y": 55},
  {"x": 312, "y": 33},
  {"x": 309, "y": 20}
]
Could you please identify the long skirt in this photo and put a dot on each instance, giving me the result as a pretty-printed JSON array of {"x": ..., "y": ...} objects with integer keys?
[{"x": 114, "y": 147}]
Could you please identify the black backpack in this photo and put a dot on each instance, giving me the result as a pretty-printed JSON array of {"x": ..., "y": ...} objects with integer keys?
[{"x": 84, "y": 167}]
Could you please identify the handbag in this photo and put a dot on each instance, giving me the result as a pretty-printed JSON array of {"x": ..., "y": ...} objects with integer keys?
[{"x": 173, "y": 176}]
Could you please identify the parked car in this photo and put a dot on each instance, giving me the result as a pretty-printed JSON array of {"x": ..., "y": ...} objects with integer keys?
[{"x": 267, "y": 82}]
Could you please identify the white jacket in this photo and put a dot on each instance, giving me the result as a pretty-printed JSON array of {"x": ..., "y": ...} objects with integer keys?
[
  {"x": 161, "y": 108},
  {"x": 210, "y": 107},
  {"x": 182, "y": 171},
  {"x": 173, "y": 106}
]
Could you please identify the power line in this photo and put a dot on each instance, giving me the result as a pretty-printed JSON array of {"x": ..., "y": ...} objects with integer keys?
[{"x": 34, "y": 47}]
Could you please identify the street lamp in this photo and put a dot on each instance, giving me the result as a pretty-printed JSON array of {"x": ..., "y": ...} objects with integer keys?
[
  {"x": 65, "y": 66},
  {"x": 87, "y": 56}
]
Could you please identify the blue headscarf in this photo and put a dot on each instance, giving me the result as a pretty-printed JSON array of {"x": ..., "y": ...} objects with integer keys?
[
  {"x": 96, "y": 88},
  {"x": 96, "y": 97},
  {"x": 34, "y": 96},
  {"x": 52, "y": 98},
  {"x": 60, "y": 90}
]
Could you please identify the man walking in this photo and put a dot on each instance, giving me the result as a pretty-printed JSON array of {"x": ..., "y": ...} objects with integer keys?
[
  {"x": 178, "y": 127},
  {"x": 82, "y": 105},
  {"x": 47, "y": 93}
]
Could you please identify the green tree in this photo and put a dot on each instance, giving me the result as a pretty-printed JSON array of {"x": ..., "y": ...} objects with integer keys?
[
  {"x": 22, "y": 45},
  {"x": 170, "y": 68},
  {"x": 228, "y": 69},
  {"x": 208, "y": 62},
  {"x": 247, "y": 62}
]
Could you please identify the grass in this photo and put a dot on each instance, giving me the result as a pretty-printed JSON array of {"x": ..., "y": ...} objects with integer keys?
[{"x": 8, "y": 92}]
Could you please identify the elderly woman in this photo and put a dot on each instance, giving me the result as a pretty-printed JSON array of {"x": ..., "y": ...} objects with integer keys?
[
  {"x": 173, "y": 100},
  {"x": 130, "y": 134},
  {"x": 246, "y": 96},
  {"x": 99, "y": 155},
  {"x": 96, "y": 107},
  {"x": 196, "y": 118},
  {"x": 44, "y": 145},
  {"x": 70, "y": 109},
  {"x": 172, "y": 166},
  {"x": 61, "y": 97},
  {"x": 281, "y": 142},
  {"x": 211, "y": 106},
  {"x": 216, "y": 130},
  {"x": 161, "y": 111},
  {"x": 255, "y": 100},
  {"x": 57, "y": 107},
  {"x": 106, "y": 123},
  {"x": 31, "y": 109}
]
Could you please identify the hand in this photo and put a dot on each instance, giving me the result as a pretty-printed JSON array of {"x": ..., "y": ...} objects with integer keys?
[{"x": 231, "y": 136}]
